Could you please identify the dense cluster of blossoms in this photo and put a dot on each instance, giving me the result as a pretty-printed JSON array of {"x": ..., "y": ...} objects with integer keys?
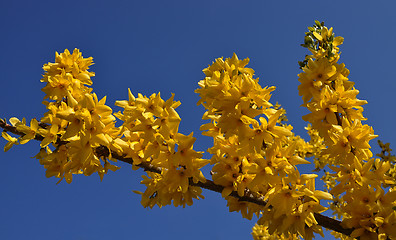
[
  {"x": 253, "y": 154},
  {"x": 78, "y": 134},
  {"x": 76, "y": 121},
  {"x": 260, "y": 232},
  {"x": 150, "y": 136},
  {"x": 363, "y": 191}
]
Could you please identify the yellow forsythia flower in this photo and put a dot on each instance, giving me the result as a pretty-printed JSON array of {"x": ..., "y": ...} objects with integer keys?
[{"x": 11, "y": 141}]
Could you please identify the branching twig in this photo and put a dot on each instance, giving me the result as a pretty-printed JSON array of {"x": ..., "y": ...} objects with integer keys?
[{"x": 324, "y": 221}]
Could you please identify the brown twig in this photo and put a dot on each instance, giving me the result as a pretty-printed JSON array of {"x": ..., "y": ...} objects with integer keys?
[
  {"x": 339, "y": 120},
  {"x": 324, "y": 221}
]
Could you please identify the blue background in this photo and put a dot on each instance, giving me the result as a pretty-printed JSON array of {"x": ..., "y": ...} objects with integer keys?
[{"x": 162, "y": 46}]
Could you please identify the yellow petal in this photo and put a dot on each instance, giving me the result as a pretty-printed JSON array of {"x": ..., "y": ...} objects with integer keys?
[
  {"x": 85, "y": 78},
  {"x": 338, "y": 41},
  {"x": 226, "y": 191},
  {"x": 14, "y": 121},
  {"x": 318, "y": 36},
  {"x": 323, "y": 195}
]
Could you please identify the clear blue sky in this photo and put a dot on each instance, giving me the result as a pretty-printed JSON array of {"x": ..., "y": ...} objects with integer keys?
[{"x": 162, "y": 46}]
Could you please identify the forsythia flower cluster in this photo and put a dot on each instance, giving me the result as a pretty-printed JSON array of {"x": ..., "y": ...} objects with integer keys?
[
  {"x": 357, "y": 183},
  {"x": 260, "y": 232},
  {"x": 76, "y": 121},
  {"x": 255, "y": 156},
  {"x": 150, "y": 136},
  {"x": 78, "y": 134},
  {"x": 387, "y": 156}
]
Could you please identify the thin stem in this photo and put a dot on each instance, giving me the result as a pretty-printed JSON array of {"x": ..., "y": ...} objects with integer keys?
[
  {"x": 324, "y": 221},
  {"x": 339, "y": 120}
]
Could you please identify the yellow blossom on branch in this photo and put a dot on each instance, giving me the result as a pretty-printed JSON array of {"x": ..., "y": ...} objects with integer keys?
[
  {"x": 254, "y": 156},
  {"x": 11, "y": 141},
  {"x": 336, "y": 115}
]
